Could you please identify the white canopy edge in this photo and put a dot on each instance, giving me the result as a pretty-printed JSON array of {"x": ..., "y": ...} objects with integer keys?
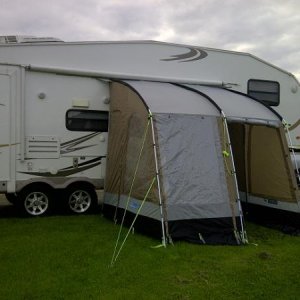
[
  {"x": 239, "y": 107},
  {"x": 275, "y": 124},
  {"x": 204, "y": 100}
]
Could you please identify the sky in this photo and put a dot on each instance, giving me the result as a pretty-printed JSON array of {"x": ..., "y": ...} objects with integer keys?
[{"x": 269, "y": 29}]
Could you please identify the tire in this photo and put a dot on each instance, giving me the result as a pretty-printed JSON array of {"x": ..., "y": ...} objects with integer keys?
[
  {"x": 12, "y": 198},
  {"x": 81, "y": 199},
  {"x": 35, "y": 201}
]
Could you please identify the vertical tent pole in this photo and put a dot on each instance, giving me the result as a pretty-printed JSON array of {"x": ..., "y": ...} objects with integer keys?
[
  {"x": 246, "y": 161},
  {"x": 244, "y": 239},
  {"x": 292, "y": 148},
  {"x": 158, "y": 181}
]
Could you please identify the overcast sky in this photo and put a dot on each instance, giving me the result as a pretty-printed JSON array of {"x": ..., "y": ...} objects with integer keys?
[{"x": 269, "y": 29}]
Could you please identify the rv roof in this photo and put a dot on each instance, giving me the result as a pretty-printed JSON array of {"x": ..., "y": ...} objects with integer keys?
[
  {"x": 145, "y": 59},
  {"x": 14, "y": 41},
  {"x": 20, "y": 39}
]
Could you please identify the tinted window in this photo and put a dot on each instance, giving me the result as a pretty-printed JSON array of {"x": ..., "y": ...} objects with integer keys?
[
  {"x": 87, "y": 120},
  {"x": 265, "y": 91}
]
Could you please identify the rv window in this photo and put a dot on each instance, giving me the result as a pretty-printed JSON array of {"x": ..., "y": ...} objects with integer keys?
[
  {"x": 265, "y": 91},
  {"x": 87, "y": 120}
]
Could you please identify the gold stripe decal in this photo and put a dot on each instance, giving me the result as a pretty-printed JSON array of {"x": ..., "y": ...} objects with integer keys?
[
  {"x": 7, "y": 145},
  {"x": 296, "y": 124}
]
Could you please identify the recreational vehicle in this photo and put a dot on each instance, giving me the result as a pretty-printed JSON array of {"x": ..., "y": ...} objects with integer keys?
[
  {"x": 55, "y": 103},
  {"x": 53, "y": 136}
]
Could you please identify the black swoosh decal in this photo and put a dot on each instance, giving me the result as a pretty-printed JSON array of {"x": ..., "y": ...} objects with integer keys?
[
  {"x": 70, "y": 146},
  {"x": 193, "y": 54}
]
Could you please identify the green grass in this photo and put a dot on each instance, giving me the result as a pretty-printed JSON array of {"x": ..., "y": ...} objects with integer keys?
[{"x": 68, "y": 257}]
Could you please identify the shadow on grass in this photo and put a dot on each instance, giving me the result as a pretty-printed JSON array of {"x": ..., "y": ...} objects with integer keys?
[
  {"x": 11, "y": 211},
  {"x": 285, "y": 221},
  {"x": 275, "y": 220}
]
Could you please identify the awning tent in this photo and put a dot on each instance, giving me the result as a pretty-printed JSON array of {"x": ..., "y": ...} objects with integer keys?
[{"x": 170, "y": 160}]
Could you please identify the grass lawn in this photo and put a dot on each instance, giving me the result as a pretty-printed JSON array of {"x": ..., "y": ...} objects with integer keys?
[{"x": 68, "y": 257}]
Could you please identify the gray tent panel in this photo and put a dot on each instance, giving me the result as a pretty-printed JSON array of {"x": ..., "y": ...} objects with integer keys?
[
  {"x": 148, "y": 209},
  {"x": 192, "y": 167}
]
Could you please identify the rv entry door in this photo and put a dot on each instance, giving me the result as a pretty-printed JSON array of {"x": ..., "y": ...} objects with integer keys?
[{"x": 4, "y": 129}]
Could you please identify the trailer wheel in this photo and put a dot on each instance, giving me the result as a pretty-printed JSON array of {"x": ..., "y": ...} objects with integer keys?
[
  {"x": 35, "y": 200},
  {"x": 81, "y": 199}
]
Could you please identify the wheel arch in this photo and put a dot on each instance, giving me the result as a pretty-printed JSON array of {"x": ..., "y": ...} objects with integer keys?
[
  {"x": 80, "y": 183},
  {"x": 37, "y": 184},
  {"x": 59, "y": 183}
]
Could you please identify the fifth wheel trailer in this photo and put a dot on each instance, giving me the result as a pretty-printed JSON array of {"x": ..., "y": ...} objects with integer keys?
[{"x": 61, "y": 79}]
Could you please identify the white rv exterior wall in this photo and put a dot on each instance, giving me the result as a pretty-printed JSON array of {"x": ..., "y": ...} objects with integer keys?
[
  {"x": 10, "y": 111},
  {"x": 25, "y": 116}
]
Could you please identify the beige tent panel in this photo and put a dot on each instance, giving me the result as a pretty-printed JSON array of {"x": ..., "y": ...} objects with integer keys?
[
  {"x": 262, "y": 162},
  {"x": 237, "y": 136},
  {"x": 269, "y": 171},
  {"x": 128, "y": 125}
]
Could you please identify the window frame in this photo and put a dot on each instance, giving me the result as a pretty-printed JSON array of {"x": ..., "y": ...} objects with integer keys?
[
  {"x": 85, "y": 111},
  {"x": 262, "y": 92}
]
